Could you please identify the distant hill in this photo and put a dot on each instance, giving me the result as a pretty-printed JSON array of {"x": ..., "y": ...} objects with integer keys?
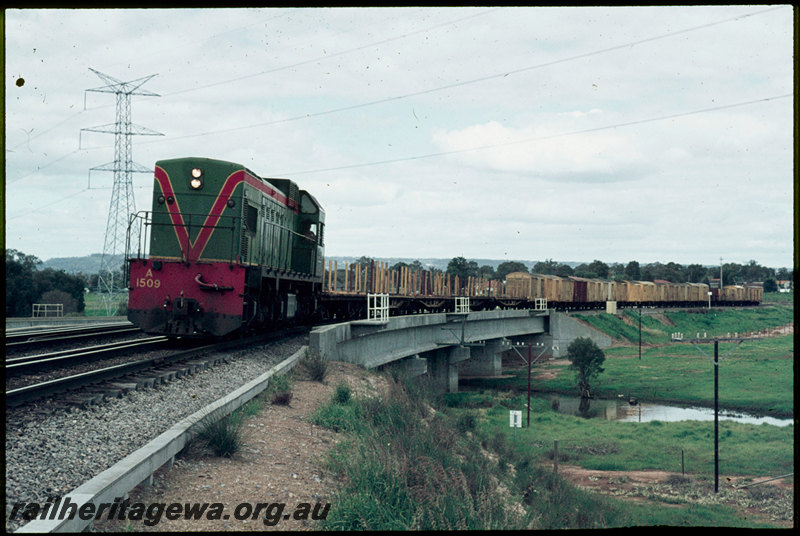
[{"x": 87, "y": 265}]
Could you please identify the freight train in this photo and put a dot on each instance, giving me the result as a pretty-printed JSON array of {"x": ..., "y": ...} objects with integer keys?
[{"x": 225, "y": 251}]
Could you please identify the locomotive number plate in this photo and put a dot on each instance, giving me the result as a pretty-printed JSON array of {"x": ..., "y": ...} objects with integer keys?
[{"x": 148, "y": 281}]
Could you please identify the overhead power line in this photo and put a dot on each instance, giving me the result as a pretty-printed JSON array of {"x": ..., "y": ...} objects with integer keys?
[
  {"x": 418, "y": 93},
  {"x": 313, "y": 60},
  {"x": 331, "y": 56},
  {"x": 540, "y": 138},
  {"x": 492, "y": 146},
  {"x": 499, "y": 75}
]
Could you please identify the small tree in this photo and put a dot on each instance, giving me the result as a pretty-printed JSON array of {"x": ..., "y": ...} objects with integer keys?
[
  {"x": 586, "y": 359},
  {"x": 59, "y": 296}
]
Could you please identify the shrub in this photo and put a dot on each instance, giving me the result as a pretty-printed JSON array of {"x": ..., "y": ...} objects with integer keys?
[
  {"x": 342, "y": 394},
  {"x": 280, "y": 390},
  {"x": 282, "y": 398},
  {"x": 223, "y": 436},
  {"x": 314, "y": 367},
  {"x": 253, "y": 407},
  {"x": 466, "y": 422}
]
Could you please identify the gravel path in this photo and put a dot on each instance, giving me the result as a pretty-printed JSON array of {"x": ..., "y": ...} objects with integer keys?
[{"x": 51, "y": 451}]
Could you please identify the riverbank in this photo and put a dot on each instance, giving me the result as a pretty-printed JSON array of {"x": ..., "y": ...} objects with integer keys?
[{"x": 755, "y": 377}]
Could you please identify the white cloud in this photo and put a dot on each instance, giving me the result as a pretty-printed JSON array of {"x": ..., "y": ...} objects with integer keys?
[
  {"x": 546, "y": 152},
  {"x": 547, "y": 121}
]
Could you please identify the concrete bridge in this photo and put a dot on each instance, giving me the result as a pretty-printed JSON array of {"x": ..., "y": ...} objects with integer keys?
[{"x": 443, "y": 345}]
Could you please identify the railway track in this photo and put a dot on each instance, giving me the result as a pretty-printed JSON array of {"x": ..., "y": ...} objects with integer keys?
[
  {"x": 94, "y": 385},
  {"x": 22, "y": 340},
  {"x": 33, "y": 363}
]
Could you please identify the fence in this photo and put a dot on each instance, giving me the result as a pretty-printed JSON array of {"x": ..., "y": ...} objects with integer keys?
[{"x": 47, "y": 310}]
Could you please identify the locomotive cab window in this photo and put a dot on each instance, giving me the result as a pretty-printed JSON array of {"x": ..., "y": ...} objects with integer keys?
[
  {"x": 310, "y": 232},
  {"x": 252, "y": 218}
]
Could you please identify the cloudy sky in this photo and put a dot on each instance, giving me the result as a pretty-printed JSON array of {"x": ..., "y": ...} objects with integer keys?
[{"x": 637, "y": 133}]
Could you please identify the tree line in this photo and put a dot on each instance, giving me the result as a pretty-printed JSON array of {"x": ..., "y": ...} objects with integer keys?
[{"x": 26, "y": 284}]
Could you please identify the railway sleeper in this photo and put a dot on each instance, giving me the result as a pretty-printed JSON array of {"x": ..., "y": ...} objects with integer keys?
[
  {"x": 124, "y": 387},
  {"x": 86, "y": 399},
  {"x": 94, "y": 395}
]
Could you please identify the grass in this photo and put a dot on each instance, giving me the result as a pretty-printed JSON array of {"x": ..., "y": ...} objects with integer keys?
[
  {"x": 405, "y": 467},
  {"x": 745, "y": 449},
  {"x": 608, "y": 445},
  {"x": 279, "y": 390},
  {"x": 223, "y": 436},
  {"x": 757, "y": 376},
  {"x": 413, "y": 460},
  {"x": 94, "y": 305},
  {"x": 658, "y": 328},
  {"x": 778, "y": 297}
]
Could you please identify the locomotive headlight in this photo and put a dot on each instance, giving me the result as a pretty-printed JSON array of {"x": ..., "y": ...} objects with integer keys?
[{"x": 196, "y": 181}]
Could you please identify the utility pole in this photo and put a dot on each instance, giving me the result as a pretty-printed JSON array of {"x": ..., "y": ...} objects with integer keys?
[
  {"x": 122, "y": 199},
  {"x": 529, "y": 361},
  {"x": 678, "y": 337}
]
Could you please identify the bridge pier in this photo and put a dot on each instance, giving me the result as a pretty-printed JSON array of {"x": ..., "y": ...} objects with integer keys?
[
  {"x": 443, "y": 366},
  {"x": 485, "y": 361}
]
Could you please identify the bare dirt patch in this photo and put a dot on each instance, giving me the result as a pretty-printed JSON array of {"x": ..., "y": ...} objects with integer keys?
[
  {"x": 282, "y": 460},
  {"x": 769, "y": 502}
]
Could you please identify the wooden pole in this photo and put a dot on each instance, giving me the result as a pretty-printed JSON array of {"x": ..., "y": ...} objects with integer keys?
[{"x": 555, "y": 456}]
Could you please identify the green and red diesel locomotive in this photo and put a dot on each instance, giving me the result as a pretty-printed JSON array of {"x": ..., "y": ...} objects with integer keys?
[{"x": 227, "y": 250}]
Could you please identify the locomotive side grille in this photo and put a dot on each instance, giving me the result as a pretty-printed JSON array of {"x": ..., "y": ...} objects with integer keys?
[{"x": 245, "y": 245}]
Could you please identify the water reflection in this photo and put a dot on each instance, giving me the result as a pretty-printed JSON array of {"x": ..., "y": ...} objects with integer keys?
[{"x": 622, "y": 410}]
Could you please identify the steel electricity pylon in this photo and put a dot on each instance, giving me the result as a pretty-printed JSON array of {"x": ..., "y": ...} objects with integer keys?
[{"x": 122, "y": 199}]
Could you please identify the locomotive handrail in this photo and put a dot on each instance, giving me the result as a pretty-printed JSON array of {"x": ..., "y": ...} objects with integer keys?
[{"x": 145, "y": 220}]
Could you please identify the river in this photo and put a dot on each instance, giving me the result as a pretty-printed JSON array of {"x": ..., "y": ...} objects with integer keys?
[{"x": 622, "y": 410}]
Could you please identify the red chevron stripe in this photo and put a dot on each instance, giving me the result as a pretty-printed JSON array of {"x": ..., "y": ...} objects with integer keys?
[{"x": 194, "y": 250}]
